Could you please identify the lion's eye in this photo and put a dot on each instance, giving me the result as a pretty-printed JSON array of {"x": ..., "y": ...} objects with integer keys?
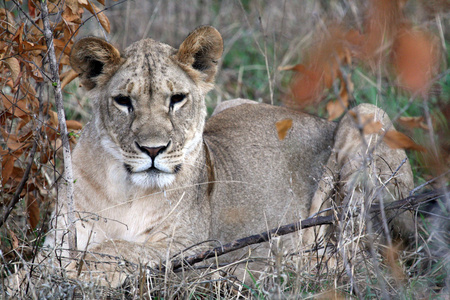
[
  {"x": 124, "y": 101},
  {"x": 177, "y": 98}
]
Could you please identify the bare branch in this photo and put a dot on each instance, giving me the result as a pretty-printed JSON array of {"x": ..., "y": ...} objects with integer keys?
[
  {"x": 407, "y": 203},
  {"x": 56, "y": 83}
]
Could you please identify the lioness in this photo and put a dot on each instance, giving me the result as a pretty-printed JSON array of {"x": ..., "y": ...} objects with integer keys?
[{"x": 151, "y": 178}]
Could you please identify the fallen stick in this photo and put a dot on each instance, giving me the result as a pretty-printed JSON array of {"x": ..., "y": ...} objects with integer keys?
[{"x": 407, "y": 203}]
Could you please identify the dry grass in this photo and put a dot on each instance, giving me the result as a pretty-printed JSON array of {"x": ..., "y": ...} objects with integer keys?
[{"x": 259, "y": 37}]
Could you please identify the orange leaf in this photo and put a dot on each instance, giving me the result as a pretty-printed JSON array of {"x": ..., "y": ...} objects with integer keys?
[
  {"x": 73, "y": 125},
  {"x": 14, "y": 67},
  {"x": 62, "y": 45},
  {"x": 381, "y": 21},
  {"x": 72, "y": 5},
  {"x": 14, "y": 239},
  {"x": 322, "y": 67},
  {"x": 367, "y": 122},
  {"x": 372, "y": 127},
  {"x": 283, "y": 127},
  {"x": 30, "y": 46},
  {"x": 28, "y": 90},
  {"x": 16, "y": 146},
  {"x": 71, "y": 75},
  {"x": 397, "y": 140},
  {"x": 413, "y": 122},
  {"x": 32, "y": 9},
  {"x": 32, "y": 210},
  {"x": 307, "y": 85},
  {"x": 7, "y": 167},
  {"x": 71, "y": 18},
  {"x": 335, "y": 109},
  {"x": 415, "y": 58},
  {"x": 17, "y": 108},
  {"x": 100, "y": 15},
  {"x": 7, "y": 18},
  {"x": 53, "y": 118}
]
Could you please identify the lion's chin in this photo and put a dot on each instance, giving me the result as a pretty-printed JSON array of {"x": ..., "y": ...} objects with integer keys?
[{"x": 152, "y": 179}]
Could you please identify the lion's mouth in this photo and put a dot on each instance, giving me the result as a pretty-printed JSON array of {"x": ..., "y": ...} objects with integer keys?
[{"x": 152, "y": 170}]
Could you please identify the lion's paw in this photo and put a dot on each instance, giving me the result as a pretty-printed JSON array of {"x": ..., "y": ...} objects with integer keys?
[{"x": 105, "y": 274}]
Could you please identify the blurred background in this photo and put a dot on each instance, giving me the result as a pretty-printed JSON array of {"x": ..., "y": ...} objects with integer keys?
[
  {"x": 265, "y": 40},
  {"x": 259, "y": 36}
]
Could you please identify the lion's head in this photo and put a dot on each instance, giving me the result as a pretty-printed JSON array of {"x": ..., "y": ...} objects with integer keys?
[{"x": 149, "y": 105}]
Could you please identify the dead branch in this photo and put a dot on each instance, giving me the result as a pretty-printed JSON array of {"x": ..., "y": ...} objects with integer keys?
[
  {"x": 404, "y": 204},
  {"x": 56, "y": 83}
]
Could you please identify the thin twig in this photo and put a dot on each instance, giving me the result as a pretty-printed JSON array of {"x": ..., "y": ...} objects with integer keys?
[{"x": 27, "y": 16}]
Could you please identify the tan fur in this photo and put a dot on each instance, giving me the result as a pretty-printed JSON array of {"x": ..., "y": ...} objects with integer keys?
[{"x": 228, "y": 179}]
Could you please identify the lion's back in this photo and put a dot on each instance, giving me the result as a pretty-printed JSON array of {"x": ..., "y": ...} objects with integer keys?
[{"x": 257, "y": 171}]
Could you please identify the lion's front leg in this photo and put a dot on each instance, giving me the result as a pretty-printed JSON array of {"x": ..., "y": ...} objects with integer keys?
[{"x": 110, "y": 262}]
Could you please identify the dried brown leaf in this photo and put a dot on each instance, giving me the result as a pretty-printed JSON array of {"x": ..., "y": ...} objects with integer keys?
[
  {"x": 381, "y": 22},
  {"x": 14, "y": 107},
  {"x": 72, "y": 5},
  {"x": 397, "y": 140},
  {"x": 16, "y": 145},
  {"x": 413, "y": 122},
  {"x": 53, "y": 118},
  {"x": 335, "y": 109},
  {"x": 74, "y": 125},
  {"x": 14, "y": 67},
  {"x": 415, "y": 58},
  {"x": 322, "y": 66},
  {"x": 63, "y": 46},
  {"x": 27, "y": 46},
  {"x": 28, "y": 90},
  {"x": 368, "y": 122},
  {"x": 7, "y": 19},
  {"x": 100, "y": 15},
  {"x": 307, "y": 85},
  {"x": 72, "y": 18},
  {"x": 71, "y": 75},
  {"x": 32, "y": 9},
  {"x": 32, "y": 210},
  {"x": 391, "y": 256},
  {"x": 283, "y": 127},
  {"x": 14, "y": 239},
  {"x": 7, "y": 167},
  {"x": 372, "y": 127}
]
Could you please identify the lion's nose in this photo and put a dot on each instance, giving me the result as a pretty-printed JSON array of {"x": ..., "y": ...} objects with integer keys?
[{"x": 152, "y": 151}]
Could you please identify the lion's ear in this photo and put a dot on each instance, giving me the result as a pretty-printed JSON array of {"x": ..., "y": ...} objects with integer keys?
[
  {"x": 201, "y": 51},
  {"x": 95, "y": 60}
]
